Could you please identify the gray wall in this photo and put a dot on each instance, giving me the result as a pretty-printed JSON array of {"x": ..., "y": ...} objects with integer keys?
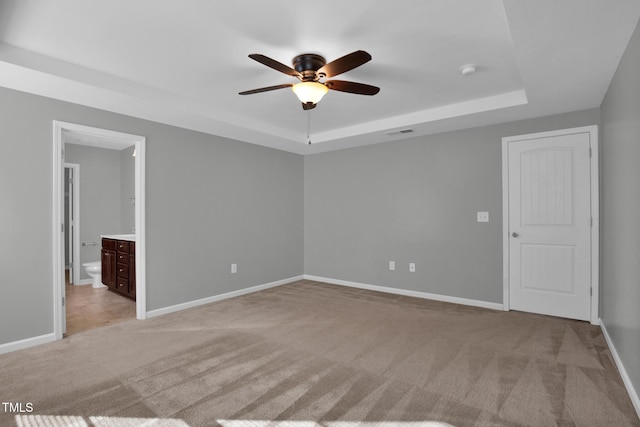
[
  {"x": 620, "y": 269},
  {"x": 100, "y": 196},
  {"x": 215, "y": 202},
  {"x": 416, "y": 200},
  {"x": 210, "y": 202}
]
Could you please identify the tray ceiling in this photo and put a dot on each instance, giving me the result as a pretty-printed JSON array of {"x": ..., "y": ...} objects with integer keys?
[{"x": 183, "y": 63}]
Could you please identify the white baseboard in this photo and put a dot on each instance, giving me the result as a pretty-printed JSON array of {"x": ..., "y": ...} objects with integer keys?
[
  {"x": 207, "y": 300},
  {"x": 26, "y": 343},
  {"x": 417, "y": 294},
  {"x": 83, "y": 282},
  {"x": 633, "y": 395}
]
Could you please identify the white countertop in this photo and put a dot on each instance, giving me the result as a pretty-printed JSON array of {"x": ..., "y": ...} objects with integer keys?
[{"x": 129, "y": 237}]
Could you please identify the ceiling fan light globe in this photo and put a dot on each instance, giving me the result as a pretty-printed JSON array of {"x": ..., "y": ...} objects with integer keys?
[{"x": 309, "y": 91}]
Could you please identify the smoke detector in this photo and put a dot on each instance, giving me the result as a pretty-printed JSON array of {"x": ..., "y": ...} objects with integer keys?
[{"x": 467, "y": 69}]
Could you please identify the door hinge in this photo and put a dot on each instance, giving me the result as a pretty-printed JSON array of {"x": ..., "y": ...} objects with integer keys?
[
  {"x": 63, "y": 301},
  {"x": 62, "y": 227},
  {"x": 590, "y": 152},
  {"x": 591, "y": 291}
]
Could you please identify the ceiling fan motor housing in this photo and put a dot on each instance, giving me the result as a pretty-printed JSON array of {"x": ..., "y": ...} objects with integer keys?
[{"x": 307, "y": 64}]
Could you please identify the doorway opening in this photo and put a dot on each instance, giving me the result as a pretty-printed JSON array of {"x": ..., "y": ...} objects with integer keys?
[{"x": 71, "y": 281}]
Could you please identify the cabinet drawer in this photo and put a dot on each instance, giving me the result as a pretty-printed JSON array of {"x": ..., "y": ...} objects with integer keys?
[
  {"x": 122, "y": 271},
  {"x": 122, "y": 285},
  {"x": 109, "y": 244},
  {"x": 123, "y": 257},
  {"x": 123, "y": 246}
]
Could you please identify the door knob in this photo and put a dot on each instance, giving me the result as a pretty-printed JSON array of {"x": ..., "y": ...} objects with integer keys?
[{"x": 514, "y": 234}]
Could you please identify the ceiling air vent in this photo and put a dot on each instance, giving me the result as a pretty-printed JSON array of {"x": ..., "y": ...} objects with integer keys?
[{"x": 399, "y": 132}]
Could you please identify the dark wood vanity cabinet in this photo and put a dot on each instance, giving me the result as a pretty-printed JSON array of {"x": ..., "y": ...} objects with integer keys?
[
  {"x": 108, "y": 259},
  {"x": 119, "y": 266}
]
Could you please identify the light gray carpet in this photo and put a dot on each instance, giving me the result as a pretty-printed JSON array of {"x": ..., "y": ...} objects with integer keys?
[{"x": 324, "y": 355}]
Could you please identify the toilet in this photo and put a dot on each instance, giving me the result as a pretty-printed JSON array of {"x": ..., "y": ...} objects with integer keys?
[{"x": 94, "y": 270}]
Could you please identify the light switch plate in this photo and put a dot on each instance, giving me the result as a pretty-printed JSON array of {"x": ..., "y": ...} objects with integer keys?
[
  {"x": 483, "y": 216},
  {"x": 412, "y": 267},
  {"x": 392, "y": 265}
]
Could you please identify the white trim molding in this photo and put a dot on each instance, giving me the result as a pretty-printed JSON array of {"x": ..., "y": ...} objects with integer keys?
[
  {"x": 633, "y": 394},
  {"x": 26, "y": 343},
  {"x": 595, "y": 212},
  {"x": 214, "y": 298},
  {"x": 406, "y": 292},
  {"x": 141, "y": 228}
]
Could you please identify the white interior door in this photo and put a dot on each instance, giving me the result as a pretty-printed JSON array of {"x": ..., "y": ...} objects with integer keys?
[{"x": 549, "y": 224}]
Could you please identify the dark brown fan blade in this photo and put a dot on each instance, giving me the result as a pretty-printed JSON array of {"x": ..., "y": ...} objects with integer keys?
[
  {"x": 352, "y": 87},
  {"x": 272, "y": 63},
  {"x": 346, "y": 63},
  {"x": 308, "y": 105},
  {"x": 265, "y": 89}
]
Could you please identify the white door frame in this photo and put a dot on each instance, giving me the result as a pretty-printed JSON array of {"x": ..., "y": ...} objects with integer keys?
[
  {"x": 595, "y": 212},
  {"x": 59, "y": 128},
  {"x": 75, "y": 279}
]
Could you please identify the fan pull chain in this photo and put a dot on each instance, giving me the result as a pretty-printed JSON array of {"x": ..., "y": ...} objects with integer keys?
[{"x": 308, "y": 119}]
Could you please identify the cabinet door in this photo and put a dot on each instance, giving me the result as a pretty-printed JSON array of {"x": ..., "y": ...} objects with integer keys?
[{"x": 109, "y": 268}]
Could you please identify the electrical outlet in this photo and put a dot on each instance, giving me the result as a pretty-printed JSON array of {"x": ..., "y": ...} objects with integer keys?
[
  {"x": 412, "y": 267},
  {"x": 234, "y": 268},
  {"x": 392, "y": 265},
  {"x": 483, "y": 216}
]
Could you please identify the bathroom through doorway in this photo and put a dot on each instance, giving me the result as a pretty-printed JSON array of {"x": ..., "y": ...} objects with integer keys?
[{"x": 77, "y": 247}]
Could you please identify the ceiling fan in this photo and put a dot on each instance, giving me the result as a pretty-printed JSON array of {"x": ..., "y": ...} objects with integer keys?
[{"x": 310, "y": 69}]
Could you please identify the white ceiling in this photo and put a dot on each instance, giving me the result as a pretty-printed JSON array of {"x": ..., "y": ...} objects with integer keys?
[{"x": 183, "y": 63}]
